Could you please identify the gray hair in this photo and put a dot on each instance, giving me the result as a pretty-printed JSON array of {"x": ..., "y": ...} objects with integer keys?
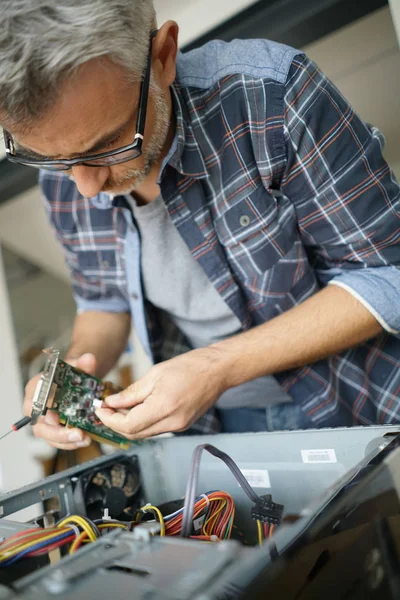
[{"x": 43, "y": 42}]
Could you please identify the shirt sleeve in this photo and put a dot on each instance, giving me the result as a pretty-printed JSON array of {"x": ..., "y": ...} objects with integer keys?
[
  {"x": 91, "y": 292},
  {"x": 346, "y": 197}
]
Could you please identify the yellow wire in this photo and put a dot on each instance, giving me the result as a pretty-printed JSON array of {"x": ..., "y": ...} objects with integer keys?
[
  {"x": 215, "y": 499},
  {"x": 46, "y": 537},
  {"x": 77, "y": 520},
  {"x": 109, "y": 525},
  {"x": 49, "y": 534},
  {"x": 82, "y": 536},
  {"x": 7, "y": 544},
  {"x": 77, "y": 540},
  {"x": 159, "y": 514},
  {"x": 86, "y": 527},
  {"x": 260, "y": 534},
  {"x": 213, "y": 517},
  {"x": 24, "y": 546}
]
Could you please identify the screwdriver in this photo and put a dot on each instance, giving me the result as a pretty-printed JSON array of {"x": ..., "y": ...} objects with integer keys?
[{"x": 16, "y": 426}]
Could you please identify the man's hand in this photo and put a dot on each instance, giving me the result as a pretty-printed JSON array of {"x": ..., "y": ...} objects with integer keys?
[
  {"x": 48, "y": 426},
  {"x": 175, "y": 393},
  {"x": 170, "y": 397}
]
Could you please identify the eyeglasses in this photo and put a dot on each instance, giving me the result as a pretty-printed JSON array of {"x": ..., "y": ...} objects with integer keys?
[{"x": 104, "y": 159}]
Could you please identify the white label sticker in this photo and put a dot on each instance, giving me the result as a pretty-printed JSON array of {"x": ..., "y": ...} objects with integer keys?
[
  {"x": 319, "y": 456},
  {"x": 257, "y": 478},
  {"x": 198, "y": 523}
]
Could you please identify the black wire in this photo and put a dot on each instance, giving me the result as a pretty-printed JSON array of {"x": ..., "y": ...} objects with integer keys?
[
  {"x": 191, "y": 487},
  {"x": 92, "y": 524}
]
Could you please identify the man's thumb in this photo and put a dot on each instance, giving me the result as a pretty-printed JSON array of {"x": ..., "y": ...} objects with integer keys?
[
  {"x": 87, "y": 362},
  {"x": 132, "y": 395}
]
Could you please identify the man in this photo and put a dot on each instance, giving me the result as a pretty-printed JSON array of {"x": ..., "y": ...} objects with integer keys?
[{"x": 240, "y": 212}]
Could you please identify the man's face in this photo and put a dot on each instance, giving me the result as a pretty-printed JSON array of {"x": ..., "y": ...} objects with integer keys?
[{"x": 97, "y": 112}]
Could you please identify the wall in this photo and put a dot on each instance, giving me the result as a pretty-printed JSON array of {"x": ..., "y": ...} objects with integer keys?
[
  {"x": 395, "y": 10},
  {"x": 17, "y": 465},
  {"x": 24, "y": 228},
  {"x": 196, "y": 17}
]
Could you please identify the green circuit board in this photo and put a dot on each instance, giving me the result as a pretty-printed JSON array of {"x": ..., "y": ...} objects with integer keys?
[{"x": 71, "y": 393}]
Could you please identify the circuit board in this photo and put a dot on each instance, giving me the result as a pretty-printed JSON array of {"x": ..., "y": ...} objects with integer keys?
[{"x": 71, "y": 394}]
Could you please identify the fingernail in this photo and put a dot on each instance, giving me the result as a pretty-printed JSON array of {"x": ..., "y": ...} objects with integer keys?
[
  {"x": 75, "y": 436},
  {"x": 84, "y": 443},
  {"x": 111, "y": 399}
]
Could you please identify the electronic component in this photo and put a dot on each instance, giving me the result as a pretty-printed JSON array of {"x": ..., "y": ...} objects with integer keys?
[
  {"x": 352, "y": 530},
  {"x": 267, "y": 511},
  {"x": 8, "y": 529},
  {"x": 74, "y": 395},
  {"x": 187, "y": 516},
  {"x": 115, "y": 487}
]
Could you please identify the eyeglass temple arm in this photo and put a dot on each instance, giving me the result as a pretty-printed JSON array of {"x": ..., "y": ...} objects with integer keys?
[{"x": 144, "y": 92}]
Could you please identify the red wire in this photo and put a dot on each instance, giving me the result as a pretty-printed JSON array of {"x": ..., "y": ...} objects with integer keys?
[
  {"x": 217, "y": 520},
  {"x": 20, "y": 534},
  {"x": 54, "y": 546}
]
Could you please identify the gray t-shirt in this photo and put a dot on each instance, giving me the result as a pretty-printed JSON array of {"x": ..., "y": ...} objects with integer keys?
[{"x": 174, "y": 282}]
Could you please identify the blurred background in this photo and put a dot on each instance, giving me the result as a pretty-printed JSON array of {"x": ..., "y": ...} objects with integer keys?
[{"x": 354, "y": 42}]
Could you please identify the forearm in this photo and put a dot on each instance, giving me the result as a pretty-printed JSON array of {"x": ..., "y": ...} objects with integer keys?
[
  {"x": 103, "y": 334},
  {"x": 325, "y": 324}
]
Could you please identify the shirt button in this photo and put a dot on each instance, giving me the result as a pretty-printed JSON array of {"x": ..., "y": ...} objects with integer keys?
[
  {"x": 244, "y": 220},
  {"x": 134, "y": 296}
]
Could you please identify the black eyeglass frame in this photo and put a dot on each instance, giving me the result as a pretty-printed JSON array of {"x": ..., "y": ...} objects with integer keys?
[{"x": 67, "y": 164}]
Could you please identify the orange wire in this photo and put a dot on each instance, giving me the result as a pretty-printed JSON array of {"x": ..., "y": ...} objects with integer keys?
[{"x": 271, "y": 530}]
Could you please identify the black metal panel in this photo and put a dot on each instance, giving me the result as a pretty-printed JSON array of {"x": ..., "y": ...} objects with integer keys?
[
  {"x": 293, "y": 22},
  {"x": 15, "y": 179}
]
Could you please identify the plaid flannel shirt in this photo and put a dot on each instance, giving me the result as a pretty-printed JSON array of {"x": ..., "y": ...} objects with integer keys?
[{"x": 278, "y": 189}]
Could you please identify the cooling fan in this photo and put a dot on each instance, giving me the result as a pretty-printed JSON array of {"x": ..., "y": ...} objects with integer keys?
[{"x": 116, "y": 486}]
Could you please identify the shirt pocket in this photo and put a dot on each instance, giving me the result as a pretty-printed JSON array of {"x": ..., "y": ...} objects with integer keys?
[
  {"x": 97, "y": 265},
  {"x": 257, "y": 231}
]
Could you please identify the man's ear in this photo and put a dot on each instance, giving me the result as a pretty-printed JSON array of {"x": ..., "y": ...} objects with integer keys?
[{"x": 165, "y": 49}]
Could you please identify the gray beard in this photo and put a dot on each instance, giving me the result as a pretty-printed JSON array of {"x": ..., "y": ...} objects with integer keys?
[{"x": 133, "y": 178}]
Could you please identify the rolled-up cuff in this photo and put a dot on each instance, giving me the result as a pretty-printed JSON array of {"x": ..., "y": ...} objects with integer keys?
[
  {"x": 378, "y": 289},
  {"x": 114, "y": 305}
]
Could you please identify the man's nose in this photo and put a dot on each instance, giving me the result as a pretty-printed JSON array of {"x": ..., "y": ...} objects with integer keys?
[{"x": 90, "y": 180}]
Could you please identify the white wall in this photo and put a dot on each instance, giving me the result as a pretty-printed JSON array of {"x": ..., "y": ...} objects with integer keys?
[
  {"x": 395, "y": 9},
  {"x": 24, "y": 228},
  {"x": 17, "y": 466},
  {"x": 197, "y": 17}
]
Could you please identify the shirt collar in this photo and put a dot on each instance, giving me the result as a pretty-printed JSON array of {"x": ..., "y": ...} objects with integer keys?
[
  {"x": 102, "y": 201},
  {"x": 184, "y": 155}
]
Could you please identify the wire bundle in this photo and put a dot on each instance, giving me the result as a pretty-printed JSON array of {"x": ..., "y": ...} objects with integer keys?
[
  {"x": 100, "y": 525},
  {"x": 216, "y": 511},
  {"x": 211, "y": 515},
  {"x": 264, "y": 531},
  {"x": 34, "y": 542},
  {"x": 73, "y": 529},
  {"x": 191, "y": 486}
]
